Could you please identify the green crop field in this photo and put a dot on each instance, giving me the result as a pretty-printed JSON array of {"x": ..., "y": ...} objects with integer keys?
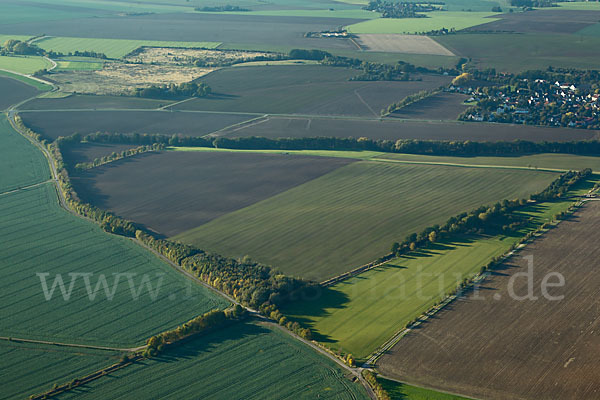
[
  {"x": 39, "y": 237},
  {"x": 24, "y": 64},
  {"x": 519, "y": 52},
  {"x": 113, "y": 48},
  {"x": 436, "y": 20},
  {"x": 244, "y": 361},
  {"x": 32, "y": 368},
  {"x": 79, "y": 66},
  {"x": 578, "y": 5},
  {"x": 352, "y": 216},
  {"x": 22, "y": 165},
  {"x": 360, "y": 314},
  {"x": 4, "y": 38},
  {"x": 401, "y": 391}
]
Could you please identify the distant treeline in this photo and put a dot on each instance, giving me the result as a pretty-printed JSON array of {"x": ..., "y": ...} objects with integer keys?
[
  {"x": 119, "y": 156},
  {"x": 18, "y": 47},
  {"x": 489, "y": 220},
  {"x": 406, "y": 146},
  {"x": 533, "y": 3},
  {"x": 394, "y": 9},
  {"x": 170, "y": 91},
  {"x": 225, "y": 8}
]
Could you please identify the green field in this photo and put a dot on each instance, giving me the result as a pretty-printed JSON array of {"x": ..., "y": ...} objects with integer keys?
[
  {"x": 24, "y": 64},
  {"x": 360, "y": 314},
  {"x": 323, "y": 13},
  {"x": 38, "y": 236},
  {"x": 244, "y": 361},
  {"x": 577, "y": 5},
  {"x": 79, "y": 66},
  {"x": 352, "y": 216},
  {"x": 593, "y": 30},
  {"x": 4, "y": 38},
  {"x": 32, "y": 368},
  {"x": 113, "y": 48},
  {"x": 401, "y": 391},
  {"x": 22, "y": 165},
  {"x": 437, "y": 20},
  {"x": 520, "y": 52}
]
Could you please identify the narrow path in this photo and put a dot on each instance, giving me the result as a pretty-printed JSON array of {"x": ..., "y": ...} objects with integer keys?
[
  {"x": 365, "y": 103},
  {"x": 449, "y": 164},
  {"x": 81, "y": 346}
]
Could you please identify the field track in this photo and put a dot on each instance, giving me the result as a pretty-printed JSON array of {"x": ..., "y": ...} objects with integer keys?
[{"x": 546, "y": 347}]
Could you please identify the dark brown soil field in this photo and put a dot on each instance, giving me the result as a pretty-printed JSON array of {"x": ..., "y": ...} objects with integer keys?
[
  {"x": 13, "y": 91},
  {"x": 86, "y": 152},
  {"x": 502, "y": 348},
  {"x": 172, "y": 192},
  {"x": 442, "y": 106},
  {"x": 303, "y": 89},
  {"x": 275, "y": 127},
  {"x": 64, "y": 123},
  {"x": 266, "y": 30},
  {"x": 542, "y": 21},
  {"x": 78, "y": 102}
]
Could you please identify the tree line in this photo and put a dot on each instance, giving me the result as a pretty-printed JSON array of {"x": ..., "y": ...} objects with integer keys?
[
  {"x": 500, "y": 217},
  {"x": 172, "y": 90},
  {"x": 201, "y": 324},
  {"x": 408, "y": 100},
  {"x": 119, "y": 156}
]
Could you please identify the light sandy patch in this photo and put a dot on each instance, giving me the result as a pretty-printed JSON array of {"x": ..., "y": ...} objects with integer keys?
[
  {"x": 122, "y": 78},
  {"x": 398, "y": 43},
  {"x": 170, "y": 55}
]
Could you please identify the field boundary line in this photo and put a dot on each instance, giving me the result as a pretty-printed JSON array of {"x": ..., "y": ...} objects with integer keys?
[
  {"x": 81, "y": 346},
  {"x": 448, "y": 164},
  {"x": 25, "y": 187},
  {"x": 174, "y": 104},
  {"x": 239, "y": 126},
  {"x": 365, "y": 103},
  {"x": 425, "y": 387}
]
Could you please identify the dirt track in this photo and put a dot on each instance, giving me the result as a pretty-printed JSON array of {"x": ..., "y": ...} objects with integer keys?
[{"x": 499, "y": 347}]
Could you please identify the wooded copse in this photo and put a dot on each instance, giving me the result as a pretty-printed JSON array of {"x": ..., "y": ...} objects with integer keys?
[{"x": 119, "y": 156}]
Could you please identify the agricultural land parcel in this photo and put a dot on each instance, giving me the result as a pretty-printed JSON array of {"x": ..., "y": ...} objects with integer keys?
[
  {"x": 545, "y": 349},
  {"x": 29, "y": 369},
  {"x": 254, "y": 361},
  {"x": 24, "y": 64},
  {"x": 173, "y": 192},
  {"x": 33, "y": 224},
  {"x": 380, "y": 302},
  {"x": 352, "y": 215},
  {"x": 14, "y": 91},
  {"x": 397, "y": 43}
]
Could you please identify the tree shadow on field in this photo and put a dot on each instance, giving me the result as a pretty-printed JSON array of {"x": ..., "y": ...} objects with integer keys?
[{"x": 433, "y": 249}]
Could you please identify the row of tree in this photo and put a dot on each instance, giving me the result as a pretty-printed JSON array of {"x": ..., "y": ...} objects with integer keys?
[
  {"x": 201, "y": 324},
  {"x": 408, "y": 100},
  {"x": 119, "y": 156},
  {"x": 402, "y": 9},
  {"x": 500, "y": 217},
  {"x": 172, "y": 90}
]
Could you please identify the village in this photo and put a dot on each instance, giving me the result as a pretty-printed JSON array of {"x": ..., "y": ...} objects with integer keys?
[{"x": 534, "y": 102}]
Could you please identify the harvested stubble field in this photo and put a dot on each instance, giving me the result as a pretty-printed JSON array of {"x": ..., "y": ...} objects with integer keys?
[
  {"x": 38, "y": 236},
  {"x": 276, "y": 127},
  {"x": 77, "y": 102},
  {"x": 541, "y": 21},
  {"x": 14, "y": 91},
  {"x": 117, "y": 78},
  {"x": 243, "y": 361},
  {"x": 397, "y": 43},
  {"x": 22, "y": 165},
  {"x": 65, "y": 123},
  {"x": 499, "y": 347},
  {"x": 180, "y": 27},
  {"x": 352, "y": 215},
  {"x": 443, "y": 106},
  {"x": 172, "y": 192},
  {"x": 303, "y": 89},
  {"x": 34, "y": 368}
]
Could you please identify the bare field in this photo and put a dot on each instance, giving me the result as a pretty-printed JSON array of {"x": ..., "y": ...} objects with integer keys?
[
  {"x": 498, "y": 347},
  {"x": 276, "y": 127},
  {"x": 541, "y": 21},
  {"x": 398, "y": 43},
  {"x": 13, "y": 91},
  {"x": 172, "y": 192},
  {"x": 123, "y": 78},
  {"x": 87, "y": 152},
  {"x": 53, "y": 124},
  {"x": 443, "y": 106},
  {"x": 181, "y": 56}
]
